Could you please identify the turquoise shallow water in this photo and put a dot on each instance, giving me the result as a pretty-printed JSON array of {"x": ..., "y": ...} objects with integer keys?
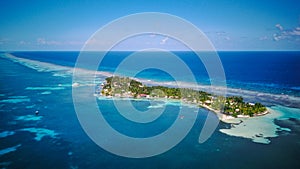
[{"x": 55, "y": 139}]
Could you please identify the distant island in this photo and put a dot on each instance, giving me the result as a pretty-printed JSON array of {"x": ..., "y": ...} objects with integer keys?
[{"x": 230, "y": 107}]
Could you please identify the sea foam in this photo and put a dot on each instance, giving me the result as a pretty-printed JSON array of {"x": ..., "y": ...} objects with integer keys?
[
  {"x": 15, "y": 100},
  {"x": 44, "y": 88},
  {"x": 46, "y": 92}
]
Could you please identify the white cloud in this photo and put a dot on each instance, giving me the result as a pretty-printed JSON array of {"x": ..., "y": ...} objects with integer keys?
[
  {"x": 279, "y": 26},
  {"x": 222, "y": 35},
  {"x": 72, "y": 42},
  {"x": 22, "y": 42},
  {"x": 4, "y": 41},
  {"x": 276, "y": 37},
  {"x": 53, "y": 42},
  {"x": 96, "y": 42},
  {"x": 41, "y": 41},
  {"x": 92, "y": 41},
  {"x": 263, "y": 38},
  {"x": 296, "y": 32},
  {"x": 286, "y": 34}
]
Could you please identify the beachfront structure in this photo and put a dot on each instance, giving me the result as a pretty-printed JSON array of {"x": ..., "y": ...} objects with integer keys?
[{"x": 233, "y": 105}]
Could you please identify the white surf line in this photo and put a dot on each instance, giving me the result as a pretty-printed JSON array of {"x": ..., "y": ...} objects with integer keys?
[
  {"x": 57, "y": 70},
  {"x": 254, "y": 95},
  {"x": 37, "y": 65},
  {"x": 50, "y": 67},
  {"x": 44, "y": 88},
  {"x": 15, "y": 100}
]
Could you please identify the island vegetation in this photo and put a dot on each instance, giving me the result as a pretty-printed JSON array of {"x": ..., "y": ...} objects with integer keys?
[{"x": 234, "y": 106}]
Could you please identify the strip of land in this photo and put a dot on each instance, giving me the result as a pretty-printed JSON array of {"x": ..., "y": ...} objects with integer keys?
[{"x": 226, "y": 108}]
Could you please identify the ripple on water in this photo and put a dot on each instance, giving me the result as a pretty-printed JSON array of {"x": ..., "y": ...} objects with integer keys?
[
  {"x": 46, "y": 92},
  {"x": 9, "y": 149},
  {"x": 15, "y": 99},
  {"x": 6, "y": 133},
  {"x": 29, "y": 118}
]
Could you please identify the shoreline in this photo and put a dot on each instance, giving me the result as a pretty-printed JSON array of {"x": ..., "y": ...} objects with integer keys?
[
  {"x": 228, "y": 119},
  {"x": 225, "y": 107},
  {"x": 259, "y": 129}
]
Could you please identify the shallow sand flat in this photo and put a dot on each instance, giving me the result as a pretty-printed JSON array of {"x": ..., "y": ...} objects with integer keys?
[
  {"x": 6, "y": 133},
  {"x": 40, "y": 133},
  {"x": 29, "y": 118},
  {"x": 44, "y": 88},
  {"x": 15, "y": 100},
  {"x": 288, "y": 112},
  {"x": 9, "y": 149},
  {"x": 261, "y": 128}
]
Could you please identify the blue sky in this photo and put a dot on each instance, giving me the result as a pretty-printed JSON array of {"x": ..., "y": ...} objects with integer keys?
[{"x": 229, "y": 24}]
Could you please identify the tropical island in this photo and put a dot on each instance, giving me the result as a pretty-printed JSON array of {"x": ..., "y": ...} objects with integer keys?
[{"x": 232, "y": 106}]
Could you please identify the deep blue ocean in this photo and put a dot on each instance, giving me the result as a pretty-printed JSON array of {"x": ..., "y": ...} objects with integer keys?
[
  {"x": 276, "y": 72},
  {"x": 55, "y": 138}
]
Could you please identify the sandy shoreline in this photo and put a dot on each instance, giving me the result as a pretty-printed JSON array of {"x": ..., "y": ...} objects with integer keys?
[
  {"x": 222, "y": 117},
  {"x": 258, "y": 129}
]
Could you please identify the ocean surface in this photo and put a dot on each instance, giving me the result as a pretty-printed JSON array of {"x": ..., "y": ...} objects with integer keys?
[{"x": 42, "y": 81}]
